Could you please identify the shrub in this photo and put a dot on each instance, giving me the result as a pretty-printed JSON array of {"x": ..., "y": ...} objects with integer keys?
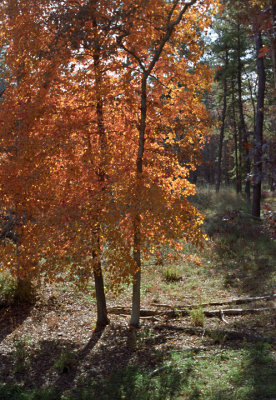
[
  {"x": 171, "y": 275},
  {"x": 16, "y": 291},
  {"x": 65, "y": 362},
  {"x": 197, "y": 316}
]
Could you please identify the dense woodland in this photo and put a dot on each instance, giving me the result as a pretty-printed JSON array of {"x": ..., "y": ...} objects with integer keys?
[
  {"x": 243, "y": 56},
  {"x": 137, "y": 181}
]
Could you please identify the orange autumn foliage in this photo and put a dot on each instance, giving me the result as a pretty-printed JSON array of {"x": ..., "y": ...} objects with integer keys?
[{"x": 69, "y": 135}]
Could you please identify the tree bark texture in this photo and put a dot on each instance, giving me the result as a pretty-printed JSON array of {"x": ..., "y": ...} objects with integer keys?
[
  {"x": 102, "y": 319},
  {"x": 258, "y": 133},
  {"x": 226, "y": 163}
]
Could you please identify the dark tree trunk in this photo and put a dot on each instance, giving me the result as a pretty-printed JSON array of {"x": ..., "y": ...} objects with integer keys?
[
  {"x": 193, "y": 176},
  {"x": 135, "y": 314},
  {"x": 273, "y": 42},
  {"x": 135, "y": 311},
  {"x": 102, "y": 318},
  {"x": 235, "y": 130},
  {"x": 221, "y": 135},
  {"x": 258, "y": 133},
  {"x": 3, "y": 86},
  {"x": 242, "y": 126},
  {"x": 252, "y": 101},
  {"x": 226, "y": 163}
]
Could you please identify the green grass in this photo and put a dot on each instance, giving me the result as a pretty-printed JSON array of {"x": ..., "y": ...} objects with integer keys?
[
  {"x": 17, "y": 392},
  {"x": 15, "y": 291},
  {"x": 65, "y": 362},
  {"x": 197, "y": 316},
  {"x": 171, "y": 274},
  {"x": 239, "y": 249},
  {"x": 246, "y": 373},
  {"x": 229, "y": 374}
]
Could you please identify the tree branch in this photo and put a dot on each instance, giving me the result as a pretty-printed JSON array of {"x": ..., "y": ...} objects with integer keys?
[{"x": 169, "y": 30}]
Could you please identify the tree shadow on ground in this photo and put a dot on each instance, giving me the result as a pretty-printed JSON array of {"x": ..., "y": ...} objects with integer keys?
[
  {"x": 143, "y": 374},
  {"x": 29, "y": 365},
  {"x": 134, "y": 383},
  {"x": 69, "y": 371},
  {"x": 242, "y": 253},
  {"x": 50, "y": 365},
  {"x": 11, "y": 317},
  {"x": 109, "y": 370},
  {"x": 255, "y": 379}
]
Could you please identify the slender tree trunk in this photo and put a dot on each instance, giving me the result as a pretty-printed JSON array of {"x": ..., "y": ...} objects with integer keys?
[
  {"x": 273, "y": 42},
  {"x": 221, "y": 135},
  {"x": 252, "y": 101},
  {"x": 226, "y": 163},
  {"x": 102, "y": 319},
  {"x": 258, "y": 134},
  {"x": 273, "y": 50},
  {"x": 193, "y": 176},
  {"x": 242, "y": 125},
  {"x": 171, "y": 23},
  {"x": 237, "y": 164},
  {"x": 135, "y": 315}
]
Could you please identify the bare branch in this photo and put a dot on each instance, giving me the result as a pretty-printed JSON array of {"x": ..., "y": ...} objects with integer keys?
[
  {"x": 171, "y": 11},
  {"x": 131, "y": 52}
]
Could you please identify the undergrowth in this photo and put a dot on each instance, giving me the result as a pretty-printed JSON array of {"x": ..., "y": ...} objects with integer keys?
[
  {"x": 246, "y": 373},
  {"x": 15, "y": 291}
]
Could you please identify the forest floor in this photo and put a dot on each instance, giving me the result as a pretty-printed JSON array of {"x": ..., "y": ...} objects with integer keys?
[{"x": 50, "y": 350}]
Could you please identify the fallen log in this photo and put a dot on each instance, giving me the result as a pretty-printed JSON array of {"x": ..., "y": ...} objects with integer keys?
[
  {"x": 181, "y": 313},
  {"x": 149, "y": 317},
  {"x": 218, "y": 303},
  {"x": 220, "y": 333},
  {"x": 237, "y": 311}
]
